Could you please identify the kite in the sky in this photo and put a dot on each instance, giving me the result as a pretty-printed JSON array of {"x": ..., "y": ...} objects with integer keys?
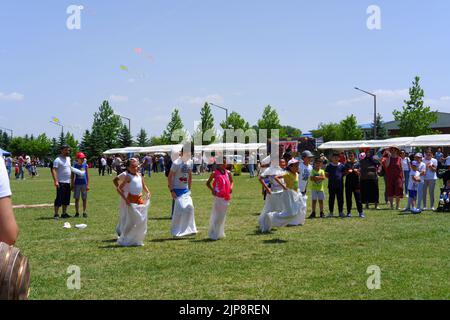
[{"x": 55, "y": 120}]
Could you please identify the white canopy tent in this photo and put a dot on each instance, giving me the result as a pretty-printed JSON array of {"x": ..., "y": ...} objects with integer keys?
[{"x": 438, "y": 140}]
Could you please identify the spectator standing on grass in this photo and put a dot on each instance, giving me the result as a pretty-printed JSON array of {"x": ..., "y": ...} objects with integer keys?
[
  {"x": 80, "y": 185},
  {"x": 352, "y": 185},
  {"x": 109, "y": 162},
  {"x": 8, "y": 226},
  {"x": 439, "y": 154},
  {"x": 61, "y": 173},
  {"x": 335, "y": 174},
  {"x": 422, "y": 168},
  {"x": 430, "y": 178},
  {"x": 369, "y": 179},
  {"x": 413, "y": 185},
  {"x": 103, "y": 163},
  {"x": 317, "y": 188},
  {"x": 406, "y": 167},
  {"x": 9, "y": 163},
  {"x": 305, "y": 169},
  {"x": 394, "y": 176},
  {"x": 21, "y": 164},
  {"x": 147, "y": 165}
]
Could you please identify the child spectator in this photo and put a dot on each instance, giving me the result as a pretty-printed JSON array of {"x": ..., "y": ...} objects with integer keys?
[
  {"x": 317, "y": 187},
  {"x": 335, "y": 173},
  {"x": 413, "y": 186},
  {"x": 352, "y": 185},
  {"x": 80, "y": 185}
]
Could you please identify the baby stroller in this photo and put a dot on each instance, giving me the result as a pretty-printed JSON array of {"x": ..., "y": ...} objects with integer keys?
[{"x": 444, "y": 200}]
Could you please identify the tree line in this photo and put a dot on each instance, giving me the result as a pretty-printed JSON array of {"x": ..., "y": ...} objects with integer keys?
[{"x": 108, "y": 131}]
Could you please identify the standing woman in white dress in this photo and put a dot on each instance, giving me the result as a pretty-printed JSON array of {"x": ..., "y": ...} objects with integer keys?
[
  {"x": 221, "y": 190},
  {"x": 180, "y": 182}
]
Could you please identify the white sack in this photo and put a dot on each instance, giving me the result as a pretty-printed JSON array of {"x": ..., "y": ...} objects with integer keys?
[
  {"x": 217, "y": 221},
  {"x": 183, "y": 221},
  {"x": 134, "y": 227}
]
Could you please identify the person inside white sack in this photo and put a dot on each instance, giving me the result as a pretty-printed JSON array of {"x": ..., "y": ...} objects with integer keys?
[
  {"x": 133, "y": 226},
  {"x": 293, "y": 204},
  {"x": 180, "y": 182},
  {"x": 221, "y": 190}
]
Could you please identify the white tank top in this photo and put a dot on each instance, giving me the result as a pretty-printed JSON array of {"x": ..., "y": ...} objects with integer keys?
[{"x": 135, "y": 184}]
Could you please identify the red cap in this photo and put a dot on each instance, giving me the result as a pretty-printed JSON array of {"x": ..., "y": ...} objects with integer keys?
[{"x": 80, "y": 155}]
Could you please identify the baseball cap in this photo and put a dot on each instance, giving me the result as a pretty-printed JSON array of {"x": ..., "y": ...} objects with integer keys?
[
  {"x": 419, "y": 155},
  {"x": 293, "y": 161},
  {"x": 80, "y": 155},
  {"x": 362, "y": 156},
  {"x": 307, "y": 154},
  {"x": 414, "y": 163}
]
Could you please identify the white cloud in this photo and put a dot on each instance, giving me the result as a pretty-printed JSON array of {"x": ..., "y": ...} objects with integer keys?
[
  {"x": 117, "y": 99},
  {"x": 14, "y": 96},
  {"x": 382, "y": 94},
  {"x": 214, "y": 98}
]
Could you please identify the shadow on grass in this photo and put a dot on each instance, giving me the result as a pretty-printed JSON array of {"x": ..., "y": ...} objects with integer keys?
[
  {"x": 45, "y": 218},
  {"x": 160, "y": 218},
  {"x": 274, "y": 241},
  {"x": 206, "y": 240},
  {"x": 110, "y": 241},
  {"x": 171, "y": 239}
]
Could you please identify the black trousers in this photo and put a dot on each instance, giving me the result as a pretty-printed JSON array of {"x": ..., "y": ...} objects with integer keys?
[
  {"x": 349, "y": 192},
  {"x": 336, "y": 192}
]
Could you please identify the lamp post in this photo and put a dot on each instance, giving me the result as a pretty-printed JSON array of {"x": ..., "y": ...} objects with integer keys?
[
  {"x": 10, "y": 130},
  {"x": 223, "y": 108},
  {"x": 374, "y": 111},
  {"x": 59, "y": 124},
  {"x": 129, "y": 121}
]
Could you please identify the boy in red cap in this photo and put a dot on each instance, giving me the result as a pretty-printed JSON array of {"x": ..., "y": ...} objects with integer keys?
[{"x": 80, "y": 184}]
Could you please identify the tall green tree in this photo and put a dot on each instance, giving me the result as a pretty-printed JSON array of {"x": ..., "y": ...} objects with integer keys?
[
  {"x": 105, "y": 129},
  {"x": 142, "y": 138},
  {"x": 125, "y": 138},
  {"x": 174, "y": 125},
  {"x": 381, "y": 129},
  {"x": 327, "y": 131},
  {"x": 414, "y": 118},
  {"x": 85, "y": 142},
  {"x": 206, "y": 125},
  {"x": 5, "y": 139},
  {"x": 235, "y": 121},
  {"x": 269, "y": 120},
  {"x": 349, "y": 129}
]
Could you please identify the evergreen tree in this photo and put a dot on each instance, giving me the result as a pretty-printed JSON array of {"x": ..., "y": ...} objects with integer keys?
[
  {"x": 381, "y": 130},
  {"x": 105, "y": 130},
  {"x": 415, "y": 119},
  {"x": 206, "y": 125},
  {"x": 125, "y": 138},
  {"x": 142, "y": 139},
  {"x": 174, "y": 125}
]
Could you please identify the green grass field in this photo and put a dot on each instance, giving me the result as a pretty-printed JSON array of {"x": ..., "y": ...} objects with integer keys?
[{"x": 325, "y": 259}]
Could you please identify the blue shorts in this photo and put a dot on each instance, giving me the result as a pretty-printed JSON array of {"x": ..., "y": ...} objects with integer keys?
[{"x": 412, "y": 194}]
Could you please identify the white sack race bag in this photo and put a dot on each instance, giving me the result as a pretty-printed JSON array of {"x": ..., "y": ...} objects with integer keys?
[
  {"x": 183, "y": 220},
  {"x": 134, "y": 227},
  {"x": 300, "y": 218},
  {"x": 273, "y": 204},
  {"x": 293, "y": 211},
  {"x": 217, "y": 221}
]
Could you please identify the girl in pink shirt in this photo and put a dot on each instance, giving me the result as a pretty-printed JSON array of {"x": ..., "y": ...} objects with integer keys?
[{"x": 221, "y": 190}]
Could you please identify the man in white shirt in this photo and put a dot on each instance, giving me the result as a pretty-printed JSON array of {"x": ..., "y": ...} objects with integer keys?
[
  {"x": 429, "y": 179},
  {"x": 8, "y": 225},
  {"x": 61, "y": 173},
  {"x": 304, "y": 171}
]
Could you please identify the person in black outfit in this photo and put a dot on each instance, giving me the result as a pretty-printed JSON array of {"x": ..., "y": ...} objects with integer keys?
[
  {"x": 109, "y": 162},
  {"x": 352, "y": 185},
  {"x": 335, "y": 174}
]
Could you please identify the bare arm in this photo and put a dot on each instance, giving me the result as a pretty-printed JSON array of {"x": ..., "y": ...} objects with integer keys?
[
  {"x": 263, "y": 183},
  {"x": 145, "y": 188},
  {"x": 277, "y": 179},
  {"x": 8, "y": 226},
  {"x": 120, "y": 189},
  {"x": 231, "y": 181},
  {"x": 170, "y": 184},
  {"x": 55, "y": 177},
  {"x": 190, "y": 180},
  {"x": 208, "y": 184}
]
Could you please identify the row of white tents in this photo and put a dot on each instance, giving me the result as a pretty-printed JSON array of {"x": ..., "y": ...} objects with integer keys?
[
  {"x": 223, "y": 147},
  {"x": 439, "y": 140}
]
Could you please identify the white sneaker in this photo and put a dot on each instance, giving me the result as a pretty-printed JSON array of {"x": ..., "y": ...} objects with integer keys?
[
  {"x": 425, "y": 209},
  {"x": 433, "y": 209}
]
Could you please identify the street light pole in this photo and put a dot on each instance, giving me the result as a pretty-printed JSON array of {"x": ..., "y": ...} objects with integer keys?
[
  {"x": 223, "y": 108},
  {"x": 129, "y": 121},
  {"x": 374, "y": 111}
]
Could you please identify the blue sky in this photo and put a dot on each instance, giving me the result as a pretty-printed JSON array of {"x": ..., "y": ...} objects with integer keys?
[{"x": 302, "y": 57}]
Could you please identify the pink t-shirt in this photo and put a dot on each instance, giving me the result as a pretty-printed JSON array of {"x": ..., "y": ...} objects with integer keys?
[{"x": 222, "y": 184}]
